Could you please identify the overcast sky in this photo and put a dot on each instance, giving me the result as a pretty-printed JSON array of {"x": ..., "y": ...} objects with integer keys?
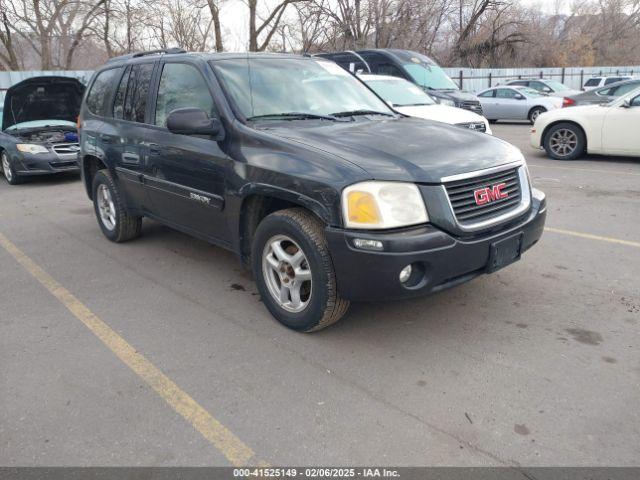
[{"x": 235, "y": 19}]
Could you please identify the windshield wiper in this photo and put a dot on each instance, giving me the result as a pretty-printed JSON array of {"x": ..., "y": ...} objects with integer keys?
[
  {"x": 294, "y": 116},
  {"x": 353, "y": 113}
]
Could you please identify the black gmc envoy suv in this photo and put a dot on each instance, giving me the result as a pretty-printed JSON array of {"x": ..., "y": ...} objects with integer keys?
[{"x": 328, "y": 194}]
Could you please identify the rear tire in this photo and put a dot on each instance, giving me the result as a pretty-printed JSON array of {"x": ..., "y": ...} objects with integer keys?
[
  {"x": 8, "y": 171},
  {"x": 294, "y": 271},
  {"x": 114, "y": 220},
  {"x": 535, "y": 113},
  {"x": 565, "y": 141}
]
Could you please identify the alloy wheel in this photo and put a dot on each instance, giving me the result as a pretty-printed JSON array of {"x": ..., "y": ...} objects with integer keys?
[
  {"x": 6, "y": 168},
  {"x": 563, "y": 142},
  {"x": 106, "y": 207},
  {"x": 287, "y": 273}
]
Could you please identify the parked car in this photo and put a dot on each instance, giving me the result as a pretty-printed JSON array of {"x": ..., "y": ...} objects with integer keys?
[
  {"x": 411, "y": 66},
  {"x": 601, "y": 95},
  {"x": 543, "y": 85},
  {"x": 407, "y": 98},
  {"x": 596, "y": 82},
  {"x": 314, "y": 181},
  {"x": 516, "y": 103},
  {"x": 39, "y": 135},
  {"x": 610, "y": 129}
]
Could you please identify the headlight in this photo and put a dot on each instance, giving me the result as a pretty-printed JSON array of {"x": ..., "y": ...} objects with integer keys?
[
  {"x": 376, "y": 205},
  {"x": 447, "y": 102},
  {"x": 31, "y": 148}
]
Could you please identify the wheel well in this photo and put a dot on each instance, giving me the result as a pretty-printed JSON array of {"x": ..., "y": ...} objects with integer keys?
[
  {"x": 254, "y": 209},
  {"x": 91, "y": 165},
  {"x": 551, "y": 125},
  {"x": 537, "y": 107}
]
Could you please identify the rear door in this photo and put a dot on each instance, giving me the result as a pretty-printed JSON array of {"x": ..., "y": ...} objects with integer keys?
[
  {"x": 185, "y": 174},
  {"x": 124, "y": 137}
]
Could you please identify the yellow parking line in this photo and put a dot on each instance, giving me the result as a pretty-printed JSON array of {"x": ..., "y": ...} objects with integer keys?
[
  {"x": 593, "y": 237},
  {"x": 211, "y": 429},
  {"x": 590, "y": 170}
]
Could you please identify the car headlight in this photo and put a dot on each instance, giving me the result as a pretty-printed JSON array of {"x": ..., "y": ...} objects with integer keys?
[
  {"x": 377, "y": 205},
  {"x": 447, "y": 102},
  {"x": 31, "y": 148}
]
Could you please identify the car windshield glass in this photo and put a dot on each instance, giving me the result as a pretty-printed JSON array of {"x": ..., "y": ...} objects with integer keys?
[
  {"x": 429, "y": 75},
  {"x": 295, "y": 89},
  {"x": 557, "y": 86},
  {"x": 399, "y": 92}
]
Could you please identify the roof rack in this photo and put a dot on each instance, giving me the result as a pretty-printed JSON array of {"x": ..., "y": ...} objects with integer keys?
[{"x": 167, "y": 51}]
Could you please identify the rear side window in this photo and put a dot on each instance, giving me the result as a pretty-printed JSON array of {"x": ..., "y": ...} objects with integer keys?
[
  {"x": 135, "y": 103},
  {"x": 181, "y": 86},
  {"x": 118, "y": 102},
  {"x": 624, "y": 89},
  {"x": 592, "y": 82},
  {"x": 522, "y": 83},
  {"x": 100, "y": 93},
  {"x": 611, "y": 80}
]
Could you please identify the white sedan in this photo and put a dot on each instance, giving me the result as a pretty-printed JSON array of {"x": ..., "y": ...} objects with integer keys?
[
  {"x": 610, "y": 129},
  {"x": 411, "y": 100},
  {"x": 516, "y": 103}
]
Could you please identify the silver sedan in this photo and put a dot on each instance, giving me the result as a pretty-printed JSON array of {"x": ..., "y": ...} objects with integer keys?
[{"x": 516, "y": 103}]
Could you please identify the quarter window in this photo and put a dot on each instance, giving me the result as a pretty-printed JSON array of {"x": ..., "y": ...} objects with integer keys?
[
  {"x": 487, "y": 94},
  {"x": 100, "y": 93},
  {"x": 181, "y": 86},
  {"x": 118, "y": 104},
  {"x": 135, "y": 102},
  {"x": 592, "y": 82}
]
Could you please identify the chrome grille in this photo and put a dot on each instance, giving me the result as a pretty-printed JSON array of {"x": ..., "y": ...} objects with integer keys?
[
  {"x": 66, "y": 148},
  {"x": 462, "y": 196},
  {"x": 475, "y": 126}
]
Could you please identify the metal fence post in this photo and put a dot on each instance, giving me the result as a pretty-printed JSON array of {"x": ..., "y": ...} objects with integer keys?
[
  {"x": 490, "y": 77},
  {"x": 581, "y": 78},
  {"x": 563, "y": 75},
  {"x": 461, "y": 77}
]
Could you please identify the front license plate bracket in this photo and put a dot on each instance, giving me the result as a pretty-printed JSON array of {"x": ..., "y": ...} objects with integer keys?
[{"x": 504, "y": 252}]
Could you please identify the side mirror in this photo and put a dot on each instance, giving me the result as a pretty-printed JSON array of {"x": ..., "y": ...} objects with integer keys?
[
  {"x": 519, "y": 96},
  {"x": 626, "y": 104},
  {"x": 547, "y": 90},
  {"x": 194, "y": 121}
]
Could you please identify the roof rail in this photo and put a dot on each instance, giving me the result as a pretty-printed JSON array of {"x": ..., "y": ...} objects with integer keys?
[{"x": 168, "y": 51}]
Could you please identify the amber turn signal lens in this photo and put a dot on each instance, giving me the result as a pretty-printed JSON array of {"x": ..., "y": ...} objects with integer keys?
[{"x": 362, "y": 208}]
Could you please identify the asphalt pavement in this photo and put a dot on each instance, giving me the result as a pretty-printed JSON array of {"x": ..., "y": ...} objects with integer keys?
[{"x": 159, "y": 352}]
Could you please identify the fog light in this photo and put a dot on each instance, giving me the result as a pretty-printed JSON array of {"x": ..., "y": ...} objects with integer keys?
[
  {"x": 366, "y": 244},
  {"x": 405, "y": 273}
]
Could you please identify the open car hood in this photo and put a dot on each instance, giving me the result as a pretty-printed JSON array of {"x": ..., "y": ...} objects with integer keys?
[{"x": 42, "y": 98}]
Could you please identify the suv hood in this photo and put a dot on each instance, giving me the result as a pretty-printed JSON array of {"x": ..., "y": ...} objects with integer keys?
[
  {"x": 404, "y": 149},
  {"x": 42, "y": 98}
]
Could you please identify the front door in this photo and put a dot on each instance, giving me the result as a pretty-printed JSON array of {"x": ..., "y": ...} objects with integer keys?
[
  {"x": 620, "y": 129},
  {"x": 184, "y": 174},
  {"x": 510, "y": 104}
]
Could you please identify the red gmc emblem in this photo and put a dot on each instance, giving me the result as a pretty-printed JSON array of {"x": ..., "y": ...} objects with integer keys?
[{"x": 489, "y": 194}]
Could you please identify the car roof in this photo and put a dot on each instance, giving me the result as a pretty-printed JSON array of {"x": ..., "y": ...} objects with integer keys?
[
  {"x": 631, "y": 80},
  {"x": 206, "y": 56}
]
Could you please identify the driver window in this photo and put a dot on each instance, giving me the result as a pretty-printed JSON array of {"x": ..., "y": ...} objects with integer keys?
[
  {"x": 181, "y": 86},
  {"x": 506, "y": 93}
]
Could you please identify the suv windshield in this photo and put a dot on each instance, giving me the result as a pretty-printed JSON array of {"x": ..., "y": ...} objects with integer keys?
[
  {"x": 399, "y": 92},
  {"x": 295, "y": 89}
]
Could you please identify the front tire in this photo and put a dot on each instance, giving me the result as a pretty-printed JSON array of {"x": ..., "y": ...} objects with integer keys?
[
  {"x": 535, "y": 113},
  {"x": 565, "y": 141},
  {"x": 8, "y": 171},
  {"x": 294, "y": 271},
  {"x": 114, "y": 220}
]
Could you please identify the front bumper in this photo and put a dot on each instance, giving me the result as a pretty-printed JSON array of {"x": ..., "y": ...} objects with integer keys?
[
  {"x": 26, "y": 164},
  {"x": 443, "y": 261}
]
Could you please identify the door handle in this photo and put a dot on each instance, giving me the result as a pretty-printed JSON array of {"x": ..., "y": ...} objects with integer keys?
[
  {"x": 128, "y": 157},
  {"x": 106, "y": 138},
  {"x": 154, "y": 149}
]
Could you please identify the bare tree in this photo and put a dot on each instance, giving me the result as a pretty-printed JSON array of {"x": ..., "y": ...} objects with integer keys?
[{"x": 261, "y": 31}]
